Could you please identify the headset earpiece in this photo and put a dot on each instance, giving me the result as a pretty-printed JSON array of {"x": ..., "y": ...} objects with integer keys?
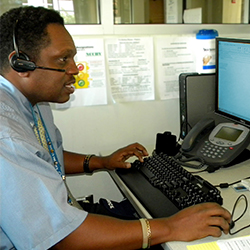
[{"x": 22, "y": 63}]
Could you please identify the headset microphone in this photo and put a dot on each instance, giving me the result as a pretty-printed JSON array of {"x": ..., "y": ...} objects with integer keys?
[{"x": 20, "y": 62}]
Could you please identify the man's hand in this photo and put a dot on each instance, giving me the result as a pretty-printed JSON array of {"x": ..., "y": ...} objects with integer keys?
[
  {"x": 119, "y": 157},
  {"x": 207, "y": 219}
]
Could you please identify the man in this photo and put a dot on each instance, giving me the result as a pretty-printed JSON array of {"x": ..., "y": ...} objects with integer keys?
[{"x": 36, "y": 212}]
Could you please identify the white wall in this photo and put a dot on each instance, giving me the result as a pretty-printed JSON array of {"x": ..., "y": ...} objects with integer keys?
[{"x": 105, "y": 128}]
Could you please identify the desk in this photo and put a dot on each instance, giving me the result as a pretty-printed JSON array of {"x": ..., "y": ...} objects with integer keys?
[{"x": 228, "y": 175}]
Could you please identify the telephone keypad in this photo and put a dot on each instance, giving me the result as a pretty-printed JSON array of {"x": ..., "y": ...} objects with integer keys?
[{"x": 213, "y": 151}]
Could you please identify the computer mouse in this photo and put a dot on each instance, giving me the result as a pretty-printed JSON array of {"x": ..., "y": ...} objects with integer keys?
[{"x": 231, "y": 224}]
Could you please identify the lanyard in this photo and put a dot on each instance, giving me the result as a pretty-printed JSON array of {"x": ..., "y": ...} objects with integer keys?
[{"x": 52, "y": 151}]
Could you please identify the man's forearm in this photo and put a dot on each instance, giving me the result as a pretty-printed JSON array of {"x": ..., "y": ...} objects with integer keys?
[{"x": 74, "y": 163}]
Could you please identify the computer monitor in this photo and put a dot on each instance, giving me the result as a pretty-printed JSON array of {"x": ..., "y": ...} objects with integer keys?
[{"x": 233, "y": 79}]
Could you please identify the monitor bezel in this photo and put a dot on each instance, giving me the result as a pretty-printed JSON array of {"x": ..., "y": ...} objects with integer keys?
[{"x": 230, "y": 117}]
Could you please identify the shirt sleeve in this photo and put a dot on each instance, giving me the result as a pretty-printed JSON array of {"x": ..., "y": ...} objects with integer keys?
[{"x": 34, "y": 209}]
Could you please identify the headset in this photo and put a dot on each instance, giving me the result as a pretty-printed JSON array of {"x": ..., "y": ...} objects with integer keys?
[{"x": 20, "y": 62}]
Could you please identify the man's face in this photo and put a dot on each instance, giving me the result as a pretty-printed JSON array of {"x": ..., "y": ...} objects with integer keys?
[{"x": 54, "y": 86}]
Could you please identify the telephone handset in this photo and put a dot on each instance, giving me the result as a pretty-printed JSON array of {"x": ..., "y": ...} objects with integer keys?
[
  {"x": 216, "y": 145},
  {"x": 198, "y": 132}
]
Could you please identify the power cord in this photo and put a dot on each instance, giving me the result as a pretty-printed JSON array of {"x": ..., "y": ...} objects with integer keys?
[{"x": 234, "y": 221}]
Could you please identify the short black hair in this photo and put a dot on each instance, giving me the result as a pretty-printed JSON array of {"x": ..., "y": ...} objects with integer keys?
[{"x": 30, "y": 32}]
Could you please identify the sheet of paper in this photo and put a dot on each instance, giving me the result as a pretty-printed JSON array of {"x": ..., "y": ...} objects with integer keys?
[
  {"x": 205, "y": 246},
  {"x": 91, "y": 85},
  {"x": 131, "y": 68},
  {"x": 240, "y": 243},
  {"x": 193, "y": 15},
  {"x": 173, "y": 11},
  {"x": 174, "y": 55}
]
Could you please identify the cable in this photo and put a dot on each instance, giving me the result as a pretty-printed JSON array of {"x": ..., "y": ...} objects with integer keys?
[
  {"x": 184, "y": 161},
  {"x": 189, "y": 127},
  {"x": 226, "y": 185},
  {"x": 234, "y": 207}
]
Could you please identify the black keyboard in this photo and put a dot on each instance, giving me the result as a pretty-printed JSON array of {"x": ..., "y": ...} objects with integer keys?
[{"x": 164, "y": 187}]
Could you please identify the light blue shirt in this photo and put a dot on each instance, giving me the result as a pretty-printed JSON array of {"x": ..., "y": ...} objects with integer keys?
[{"x": 34, "y": 213}]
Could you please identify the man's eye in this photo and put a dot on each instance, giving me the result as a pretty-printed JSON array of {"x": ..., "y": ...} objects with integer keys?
[{"x": 63, "y": 59}]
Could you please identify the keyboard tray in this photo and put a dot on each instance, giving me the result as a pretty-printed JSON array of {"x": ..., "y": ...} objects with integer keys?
[{"x": 155, "y": 202}]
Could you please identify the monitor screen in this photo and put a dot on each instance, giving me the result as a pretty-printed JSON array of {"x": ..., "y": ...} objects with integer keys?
[{"x": 233, "y": 79}]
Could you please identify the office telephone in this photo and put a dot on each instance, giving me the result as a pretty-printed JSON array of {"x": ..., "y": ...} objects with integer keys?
[{"x": 216, "y": 145}]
